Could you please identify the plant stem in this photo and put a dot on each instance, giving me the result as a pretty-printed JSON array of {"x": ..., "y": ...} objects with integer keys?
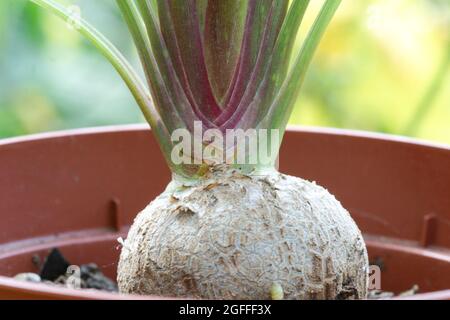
[
  {"x": 109, "y": 51},
  {"x": 119, "y": 62},
  {"x": 281, "y": 109},
  {"x": 160, "y": 93}
]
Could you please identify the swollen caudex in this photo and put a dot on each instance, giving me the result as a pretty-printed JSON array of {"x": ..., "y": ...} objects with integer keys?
[{"x": 235, "y": 236}]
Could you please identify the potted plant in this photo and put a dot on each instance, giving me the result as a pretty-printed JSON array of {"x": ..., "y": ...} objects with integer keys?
[{"x": 228, "y": 225}]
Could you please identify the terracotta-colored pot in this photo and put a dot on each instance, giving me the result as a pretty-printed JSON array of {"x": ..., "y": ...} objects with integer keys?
[{"x": 80, "y": 190}]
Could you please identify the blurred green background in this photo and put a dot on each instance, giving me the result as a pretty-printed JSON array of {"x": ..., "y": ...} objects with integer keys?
[{"x": 384, "y": 65}]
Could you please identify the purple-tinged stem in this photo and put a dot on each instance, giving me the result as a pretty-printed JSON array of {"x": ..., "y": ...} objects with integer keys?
[{"x": 181, "y": 31}]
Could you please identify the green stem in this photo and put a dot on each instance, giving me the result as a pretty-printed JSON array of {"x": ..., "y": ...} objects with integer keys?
[
  {"x": 119, "y": 62},
  {"x": 280, "y": 111},
  {"x": 161, "y": 95},
  {"x": 109, "y": 51}
]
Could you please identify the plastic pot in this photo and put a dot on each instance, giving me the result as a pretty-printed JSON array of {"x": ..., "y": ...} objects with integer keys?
[{"x": 80, "y": 190}]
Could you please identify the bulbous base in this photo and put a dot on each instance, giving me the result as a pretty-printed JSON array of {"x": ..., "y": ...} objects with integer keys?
[{"x": 234, "y": 236}]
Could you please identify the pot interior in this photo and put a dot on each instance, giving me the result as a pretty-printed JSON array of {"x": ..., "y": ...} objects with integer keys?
[
  {"x": 428, "y": 271},
  {"x": 79, "y": 191}
]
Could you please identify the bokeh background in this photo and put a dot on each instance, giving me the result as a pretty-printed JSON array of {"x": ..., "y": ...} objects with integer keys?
[{"x": 384, "y": 66}]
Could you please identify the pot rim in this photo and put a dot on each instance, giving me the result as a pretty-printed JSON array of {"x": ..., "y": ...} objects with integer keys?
[
  {"x": 292, "y": 128},
  {"x": 43, "y": 291}
]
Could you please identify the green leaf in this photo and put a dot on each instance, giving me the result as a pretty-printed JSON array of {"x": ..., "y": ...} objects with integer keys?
[
  {"x": 118, "y": 61},
  {"x": 224, "y": 27},
  {"x": 161, "y": 94},
  {"x": 164, "y": 66},
  {"x": 270, "y": 74},
  {"x": 201, "y": 10},
  {"x": 110, "y": 52},
  {"x": 263, "y": 23},
  {"x": 180, "y": 27},
  {"x": 279, "y": 65},
  {"x": 256, "y": 26},
  {"x": 281, "y": 107}
]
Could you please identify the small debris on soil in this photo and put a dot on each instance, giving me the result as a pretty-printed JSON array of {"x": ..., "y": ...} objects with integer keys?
[
  {"x": 378, "y": 294},
  {"x": 276, "y": 292},
  {"x": 56, "y": 270},
  {"x": 36, "y": 260},
  {"x": 410, "y": 292},
  {"x": 93, "y": 278},
  {"x": 28, "y": 277},
  {"x": 54, "y": 266}
]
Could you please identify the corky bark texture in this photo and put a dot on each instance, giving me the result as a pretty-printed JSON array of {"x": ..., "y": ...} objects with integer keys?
[{"x": 235, "y": 236}]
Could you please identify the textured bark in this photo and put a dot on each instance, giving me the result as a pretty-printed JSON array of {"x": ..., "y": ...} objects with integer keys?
[{"x": 234, "y": 236}]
